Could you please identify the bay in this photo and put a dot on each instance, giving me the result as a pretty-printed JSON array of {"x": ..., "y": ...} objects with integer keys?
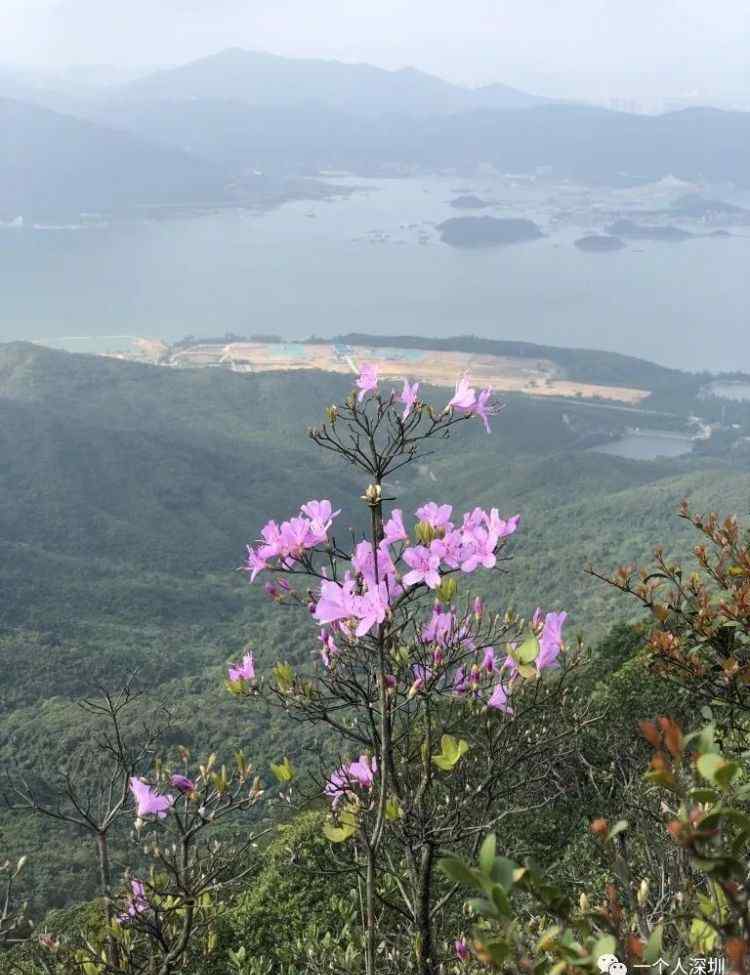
[{"x": 374, "y": 262}]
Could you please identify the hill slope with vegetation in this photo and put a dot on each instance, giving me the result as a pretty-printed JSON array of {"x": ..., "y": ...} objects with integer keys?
[{"x": 128, "y": 492}]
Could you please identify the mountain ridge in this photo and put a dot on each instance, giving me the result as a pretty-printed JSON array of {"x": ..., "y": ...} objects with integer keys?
[
  {"x": 94, "y": 166},
  {"x": 258, "y": 78}
]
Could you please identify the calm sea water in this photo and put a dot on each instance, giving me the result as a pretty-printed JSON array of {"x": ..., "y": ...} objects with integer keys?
[
  {"x": 374, "y": 262},
  {"x": 646, "y": 446}
]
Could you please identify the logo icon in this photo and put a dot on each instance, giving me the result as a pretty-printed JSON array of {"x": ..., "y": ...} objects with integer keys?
[{"x": 611, "y": 965}]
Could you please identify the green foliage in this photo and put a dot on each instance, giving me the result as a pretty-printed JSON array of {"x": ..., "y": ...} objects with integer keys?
[
  {"x": 298, "y": 899},
  {"x": 127, "y": 493}
]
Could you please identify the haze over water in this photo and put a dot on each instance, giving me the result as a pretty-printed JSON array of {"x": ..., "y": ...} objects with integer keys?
[{"x": 358, "y": 264}]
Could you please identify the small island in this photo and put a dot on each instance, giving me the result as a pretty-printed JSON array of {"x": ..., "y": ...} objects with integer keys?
[
  {"x": 469, "y": 202},
  {"x": 599, "y": 243},
  {"x": 487, "y": 231},
  {"x": 635, "y": 231}
]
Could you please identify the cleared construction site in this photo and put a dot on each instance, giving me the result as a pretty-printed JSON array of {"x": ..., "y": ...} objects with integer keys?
[{"x": 535, "y": 377}]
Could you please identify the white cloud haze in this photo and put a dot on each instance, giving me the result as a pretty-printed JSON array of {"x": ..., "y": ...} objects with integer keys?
[{"x": 615, "y": 46}]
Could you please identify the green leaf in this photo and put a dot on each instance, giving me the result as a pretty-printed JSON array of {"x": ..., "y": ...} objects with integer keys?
[
  {"x": 703, "y": 937},
  {"x": 347, "y": 827},
  {"x": 703, "y": 795},
  {"x": 503, "y": 872},
  {"x": 739, "y": 818},
  {"x": 483, "y": 908},
  {"x": 447, "y": 590},
  {"x": 717, "y": 770},
  {"x": 652, "y": 951},
  {"x": 284, "y": 771},
  {"x": 501, "y": 901},
  {"x": 497, "y": 950},
  {"x": 528, "y": 651},
  {"x": 284, "y": 677},
  {"x": 457, "y": 871},
  {"x": 487, "y": 853},
  {"x": 606, "y": 945},
  {"x": 393, "y": 811},
  {"x": 450, "y": 753}
]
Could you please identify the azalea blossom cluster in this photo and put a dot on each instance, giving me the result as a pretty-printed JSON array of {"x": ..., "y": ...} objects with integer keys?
[
  {"x": 379, "y": 576},
  {"x": 286, "y": 543},
  {"x": 503, "y": 673},
  {"x": 137, "y": 903},
  {"x": 465, "y": 400},
  {"x": 363, "y": 599},
  {"x": 151, "y": 803},
  {"x": 344, "y": 782}
]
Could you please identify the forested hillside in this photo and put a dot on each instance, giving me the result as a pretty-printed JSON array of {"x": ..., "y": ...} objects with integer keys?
[{"x": 128, "y": 493}]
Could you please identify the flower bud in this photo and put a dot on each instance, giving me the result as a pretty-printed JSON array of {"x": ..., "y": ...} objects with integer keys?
[
  {"x": 583, "y": 902},
  {"x": 425, "y": 533},
  {"x": 373, "y": 494},
  {"x": 600, "y": 827},
  {"x": 642, "y": 896}
]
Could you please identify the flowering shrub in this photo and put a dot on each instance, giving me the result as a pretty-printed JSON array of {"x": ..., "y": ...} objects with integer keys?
[
  {"x": 164, "y": 912},
  {"x": 417, "y": 678},
  {"x": 687, "y": 909},
  {"x": 524, "y": 921}
]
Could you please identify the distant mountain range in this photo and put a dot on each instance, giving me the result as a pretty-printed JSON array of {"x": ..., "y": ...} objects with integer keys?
[
  {"x": 182, "y": 135},
  {"x": 260, "y": 79},
  {"x": 53, "y": 163},
  {"x": 567, "y": 141}
]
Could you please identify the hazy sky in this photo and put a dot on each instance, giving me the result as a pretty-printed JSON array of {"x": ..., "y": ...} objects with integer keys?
[{"x": 566, "y": 47}]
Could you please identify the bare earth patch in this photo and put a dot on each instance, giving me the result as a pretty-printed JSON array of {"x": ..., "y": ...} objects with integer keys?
[{"x": 534, "y": 377}]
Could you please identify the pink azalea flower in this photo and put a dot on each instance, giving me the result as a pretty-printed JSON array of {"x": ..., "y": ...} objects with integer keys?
[
  {"x": 148, "y": 801},
  {"x": 321, "y": 511},
  {"x": 465, "y": 397},
  {"x": 321, "y": 515},
  {"x": 424, "y": 566},
  {"x": 137, "y": 903},
  {"x": 499, "y": 526},
  {"x": 499, "y": 700},
  {"x": 474, "y": 519},
  {"x": 296, "y": 536},
  {"x": 488, "y": 661},
  {"x": 421, "y": 676},
  {"x": 437, "y": 516},
  {"x": 449, "y": 549},
  {"x": 408, "y": 397},
  {"x": 367, "y": 380},
  {"x": 328, "y": 648},
  {"x": 462, "y": 949},
  {"x": 440, "y": 627},
  {"x": 459, "y": 681},
  {"x": 550, "y": 642},
  {"x": 243, "y": 671},
  {"x": 363, "y": 561},
  {"x": 341, "y": 782},
  {"x": 271, "y": 537},
  {"x": 255, "y": 563},
  {"x": 371, "y": 609},
  {"x": 363, "y": 771},
  {"x": 394, "y": 528},
  {"x": 182, "y": 783},
  {"x": 479, "y": 549},
  {"x": 484, "y": 408},
  {"x": 337, "y": 785},
  {"x": 336, "y": 602}
]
